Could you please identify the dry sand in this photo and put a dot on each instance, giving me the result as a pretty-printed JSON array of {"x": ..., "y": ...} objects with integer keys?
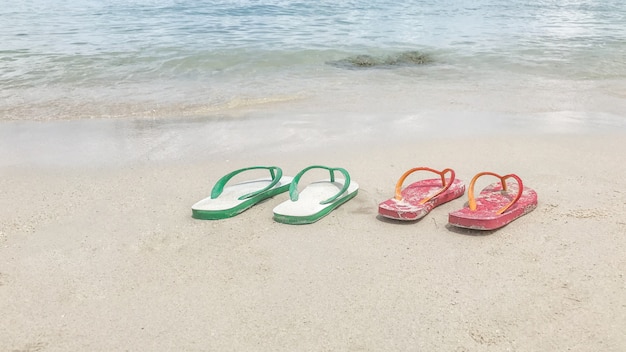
[{"x": 108, "y": 258}]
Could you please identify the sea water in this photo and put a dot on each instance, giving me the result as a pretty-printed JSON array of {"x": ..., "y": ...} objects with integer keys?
[{"x": 62, "y": 59}]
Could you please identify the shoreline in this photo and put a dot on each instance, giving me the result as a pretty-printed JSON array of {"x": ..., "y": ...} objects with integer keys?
[
  {"x": 125, "y": 141},
  {"x": 382, "y": 92},
  {"x": 115, "y": 244}
]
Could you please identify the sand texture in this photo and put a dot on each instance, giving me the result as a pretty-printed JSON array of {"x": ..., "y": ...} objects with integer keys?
[{"x": 108, "y": 258}]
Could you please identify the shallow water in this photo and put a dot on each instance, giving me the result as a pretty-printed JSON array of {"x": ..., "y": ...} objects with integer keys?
[{"x": 168, "y": 58}]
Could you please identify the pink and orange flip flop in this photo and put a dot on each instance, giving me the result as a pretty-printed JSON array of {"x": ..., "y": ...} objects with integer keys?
[
  {"x": 417, "y": 199},
  {"x": 496, "y": 206}
]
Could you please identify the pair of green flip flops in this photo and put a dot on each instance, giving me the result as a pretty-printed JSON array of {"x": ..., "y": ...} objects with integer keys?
[{"x": 314, "y": 202}]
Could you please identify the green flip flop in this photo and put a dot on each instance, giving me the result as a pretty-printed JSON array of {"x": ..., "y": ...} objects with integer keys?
[
  {"x": 228, "y": 201},
  {"x": 317, "y": 199}
]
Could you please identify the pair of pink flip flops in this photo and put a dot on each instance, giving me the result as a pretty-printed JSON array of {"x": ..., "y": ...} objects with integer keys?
[{"x": 496, "y": 206}]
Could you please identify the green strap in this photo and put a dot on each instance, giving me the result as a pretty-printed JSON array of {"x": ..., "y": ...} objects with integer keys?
[
  {"x": 219, "y": 185},
  {"x": 293, "y": 188}
]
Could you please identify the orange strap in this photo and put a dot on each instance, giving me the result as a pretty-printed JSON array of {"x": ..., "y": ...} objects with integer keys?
[
  {"x": 472, "y": 200},
  {"x": 440, "y": 173}
]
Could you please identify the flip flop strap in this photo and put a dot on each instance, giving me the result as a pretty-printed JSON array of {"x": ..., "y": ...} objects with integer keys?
[
  {"x": 440, "y": 173},
  {"x": 275, "y": 172},
  {"x": 293, "y": 188},
  {"x": 472, "y": 200}
]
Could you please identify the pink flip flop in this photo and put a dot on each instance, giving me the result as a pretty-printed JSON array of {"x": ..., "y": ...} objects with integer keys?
[
  {"x": 497, "y": 205},
  {"x": 419, "y": 198}
]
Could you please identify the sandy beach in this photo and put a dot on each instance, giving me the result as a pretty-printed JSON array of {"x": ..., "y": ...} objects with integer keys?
[
  {"x": 117, "y": 116},
  {"x": 98, "y": 250}
]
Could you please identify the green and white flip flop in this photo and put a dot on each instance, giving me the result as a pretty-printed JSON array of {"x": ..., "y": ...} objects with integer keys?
[
  {"x": 317, "y": 199},
  {"x": 228, "y": 201}
]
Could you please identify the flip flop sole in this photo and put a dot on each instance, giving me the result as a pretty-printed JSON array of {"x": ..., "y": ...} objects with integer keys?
[
  {"x": 302, "y": 220},
  {"x": 485, "y": 217},
  {"x": 308, "y": 209},
  {"x": 410, "y": 209},
  {"x": 228, "y": 204}
]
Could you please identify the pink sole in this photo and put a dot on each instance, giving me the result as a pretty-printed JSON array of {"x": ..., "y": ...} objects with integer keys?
[
  {"x": 490, "y": 200},
  {"x": 409, "y": 209}
]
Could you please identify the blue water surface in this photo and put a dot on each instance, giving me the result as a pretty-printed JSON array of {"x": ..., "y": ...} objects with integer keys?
[{"x": 58, "y": 58}]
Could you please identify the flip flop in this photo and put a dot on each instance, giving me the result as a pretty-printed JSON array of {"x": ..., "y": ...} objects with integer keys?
[
  {"x": 497, "y": 205},
  {"x": 317, "y": 199},
  {"x": 228, "y": 201},
  {"x": 419, "y": 198}
]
